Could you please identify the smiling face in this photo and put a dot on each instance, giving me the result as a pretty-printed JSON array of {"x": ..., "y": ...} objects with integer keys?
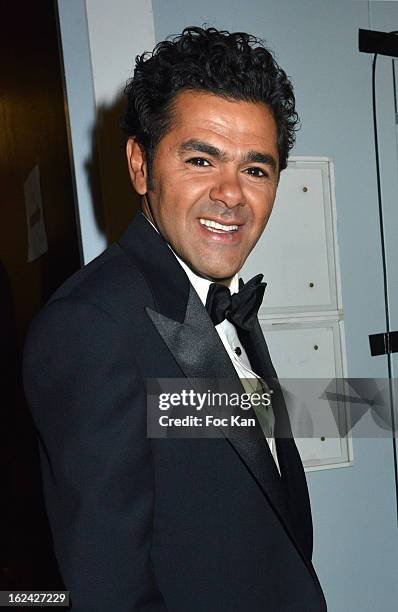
[{"x": 215, "y": 175}]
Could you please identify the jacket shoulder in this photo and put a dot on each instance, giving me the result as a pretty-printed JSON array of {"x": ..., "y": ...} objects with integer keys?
[{"x": 113, "y": 282}]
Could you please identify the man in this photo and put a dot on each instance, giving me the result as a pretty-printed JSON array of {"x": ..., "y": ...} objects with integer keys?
[{"x": 186, "y": 525}]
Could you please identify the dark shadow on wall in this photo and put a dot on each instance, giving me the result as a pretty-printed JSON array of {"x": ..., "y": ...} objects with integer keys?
[{"x": 114, "y": 199}]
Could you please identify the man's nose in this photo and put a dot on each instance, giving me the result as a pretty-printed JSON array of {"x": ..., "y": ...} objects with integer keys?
[{"x": 228, "y": 190}]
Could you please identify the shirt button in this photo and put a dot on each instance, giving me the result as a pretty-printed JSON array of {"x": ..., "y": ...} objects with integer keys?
[{"x": 238, "y": 351}]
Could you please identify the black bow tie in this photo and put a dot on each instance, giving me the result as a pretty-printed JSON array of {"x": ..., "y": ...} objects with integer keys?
[{"x": 239, "y": 308}]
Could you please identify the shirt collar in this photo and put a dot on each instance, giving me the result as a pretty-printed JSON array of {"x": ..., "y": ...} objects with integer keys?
[{"x": 201, "y": 285}]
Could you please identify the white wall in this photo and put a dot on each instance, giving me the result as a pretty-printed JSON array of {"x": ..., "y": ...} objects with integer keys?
[
  {"x": 118, "y": 31},
  {"x": 81, "y": 113},
  {"x": 100, "y": 40}
]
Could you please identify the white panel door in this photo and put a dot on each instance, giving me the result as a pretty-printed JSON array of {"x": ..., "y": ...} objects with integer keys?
[
  {"x": 308, "y": 357},
  {"x": 304, "y": 349}
]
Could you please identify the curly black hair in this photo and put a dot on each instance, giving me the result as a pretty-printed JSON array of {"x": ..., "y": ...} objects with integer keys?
[{"x": 232, "y": 65}]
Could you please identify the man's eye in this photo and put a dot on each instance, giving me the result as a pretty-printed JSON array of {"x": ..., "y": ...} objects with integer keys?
[
  {"x": 198, "y": 161},
  {"x": 256, "y": 172}
]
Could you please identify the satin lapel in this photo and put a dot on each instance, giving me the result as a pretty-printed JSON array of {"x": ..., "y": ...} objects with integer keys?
[
  {"x": 209, "y": 360},
  {"x": 195, "y": 344},
  {"x": 288, "y": 456}
]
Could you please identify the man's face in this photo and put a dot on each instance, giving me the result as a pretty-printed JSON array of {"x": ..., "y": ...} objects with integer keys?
[{"x": 215, "y": 175}]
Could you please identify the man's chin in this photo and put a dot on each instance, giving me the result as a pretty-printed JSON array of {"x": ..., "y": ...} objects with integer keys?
[
  {"x": 223, "y": 276},
  {"x": 215, "y": 271}
]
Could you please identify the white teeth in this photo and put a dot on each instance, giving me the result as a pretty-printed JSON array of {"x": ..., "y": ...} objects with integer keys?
[{"x": 218, "y": 226}]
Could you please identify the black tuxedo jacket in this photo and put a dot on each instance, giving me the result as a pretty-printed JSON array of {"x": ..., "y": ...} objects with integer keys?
[{"x": 187, "y": 525}]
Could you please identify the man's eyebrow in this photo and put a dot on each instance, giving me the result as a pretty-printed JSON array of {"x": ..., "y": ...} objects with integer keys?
[
  {"x": 260, "y": 158},
  {"x": 203, "y": 147}
]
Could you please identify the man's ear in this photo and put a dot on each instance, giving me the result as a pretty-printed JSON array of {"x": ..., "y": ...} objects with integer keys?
[{"x": 137, "y": 166}]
